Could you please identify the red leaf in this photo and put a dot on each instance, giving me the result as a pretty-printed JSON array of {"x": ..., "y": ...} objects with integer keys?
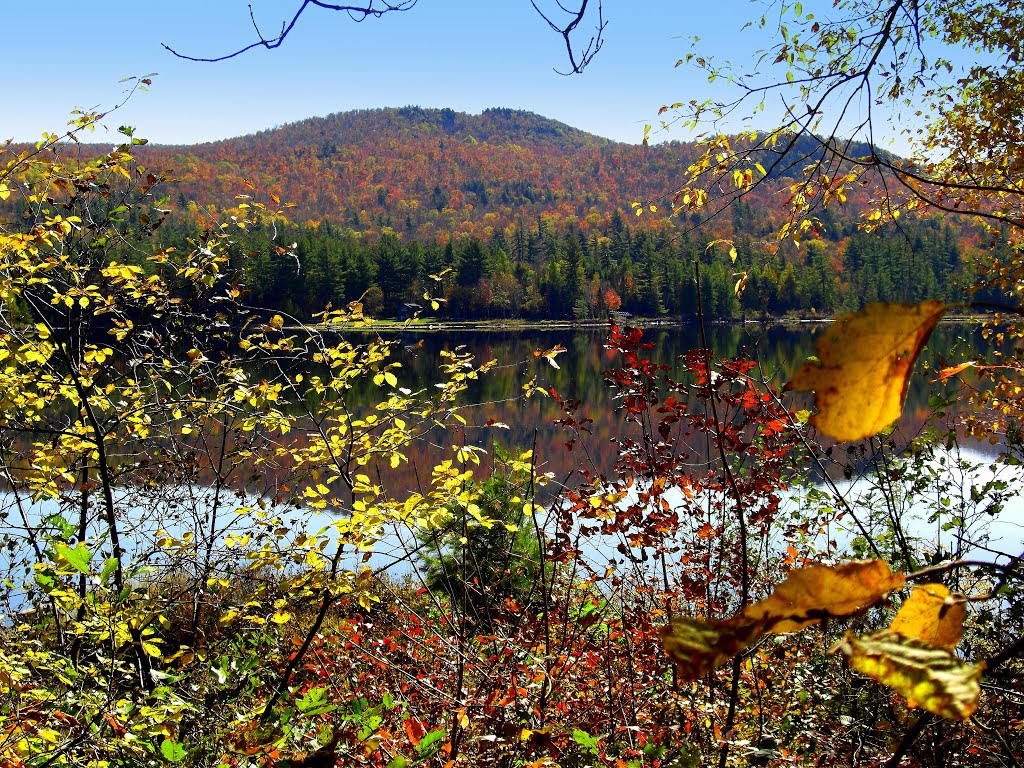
[{"x": 415, "y": 730}]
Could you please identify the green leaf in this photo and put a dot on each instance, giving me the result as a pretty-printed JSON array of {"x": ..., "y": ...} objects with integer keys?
[
  {"x": 314, "y": 697},
  {"x": 109, "y": 566},
  {"x": 429, "y": 739},
  {"x": 172, "y": 751},
  {"x": 585, "y": 740},
  {"x": 77, "y": 558},
  {"x": 929, "y": 678},
  {"x": 315, "y": 702}
]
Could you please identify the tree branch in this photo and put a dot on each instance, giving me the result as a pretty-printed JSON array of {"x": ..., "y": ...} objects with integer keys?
[
  {"x": 579, "y": 57},
  {"x": 593, "y": 45},
  {"x": 358, "y": 13}
]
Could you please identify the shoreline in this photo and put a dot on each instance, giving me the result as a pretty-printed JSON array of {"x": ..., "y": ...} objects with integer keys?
[{"x": 483, "y": 326}]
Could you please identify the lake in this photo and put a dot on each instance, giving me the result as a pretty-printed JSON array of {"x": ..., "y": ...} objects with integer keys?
[
  {"x": 579, "y": 376},
  {"x": 780, "y": 350}
]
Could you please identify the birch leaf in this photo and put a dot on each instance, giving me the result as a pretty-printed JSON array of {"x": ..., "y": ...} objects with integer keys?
[
  {"x": 864, "y": 363},
  {"x": 931, "y": 614},
  {"x": 819, "y": 592},
  {"x": 697, "y": 646},
  {"x": 929, "y": 678}
]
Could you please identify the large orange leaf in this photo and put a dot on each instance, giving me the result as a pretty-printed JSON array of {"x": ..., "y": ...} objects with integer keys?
[
  {"x": 819, "y": 592},
  {"x": 931, "y": 614},
  {"x": 864, "y": 363},
  {"x": 809, "y": 595},
  {"x": 927, "y": 677}
]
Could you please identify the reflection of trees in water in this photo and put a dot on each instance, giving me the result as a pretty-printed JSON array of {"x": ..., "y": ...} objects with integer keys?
[
  {"x": 495, "y": 396},
  {"x": 779, "y": 350}
]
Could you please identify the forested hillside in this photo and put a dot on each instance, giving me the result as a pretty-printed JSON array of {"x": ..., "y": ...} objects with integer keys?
[
  {"x": 436, "y": 173},
  {"x": 540, "y": 271},
  {"x": 525, "y": 217},
  {"x": 533, "y": 219}
]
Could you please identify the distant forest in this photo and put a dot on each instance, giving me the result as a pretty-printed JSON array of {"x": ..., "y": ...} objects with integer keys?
[
  {"x": 525, "y": 217},
  {"x": 544, "y": 272}
]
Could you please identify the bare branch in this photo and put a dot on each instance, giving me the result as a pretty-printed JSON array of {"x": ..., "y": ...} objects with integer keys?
[
  {"x": 358, "y": 13},
  {"x": 579, "y": 57},
  {"x": 586, "y": 55}
]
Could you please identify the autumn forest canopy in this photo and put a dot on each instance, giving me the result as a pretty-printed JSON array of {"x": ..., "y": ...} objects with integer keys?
[
  {"x": 532, "y": 219},
  {"x": 252, "y": 516}
]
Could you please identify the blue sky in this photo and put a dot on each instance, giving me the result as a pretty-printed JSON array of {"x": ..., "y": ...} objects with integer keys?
[{"x": 463, "y": 54}]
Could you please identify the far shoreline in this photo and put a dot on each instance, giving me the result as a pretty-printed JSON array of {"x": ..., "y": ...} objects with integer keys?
[{"x": 494, "y": 326}]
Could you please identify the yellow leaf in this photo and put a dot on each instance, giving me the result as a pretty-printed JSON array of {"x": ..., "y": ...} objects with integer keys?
[
  {"x": 150, "y": 648},
  {"x": 931, "y": 614},
  {"x": 818, "y": 592},
  {"x": 928, "y": 678},
  {"x": 865, "y": 361},
  {"x": 281, "y": 617},
  {"x": 741, "y": 284}
]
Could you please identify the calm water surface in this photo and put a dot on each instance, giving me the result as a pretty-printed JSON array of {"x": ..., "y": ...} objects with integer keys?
[
  {"x": 579, "y": 376},
  {"x": 779, "y": 350}
]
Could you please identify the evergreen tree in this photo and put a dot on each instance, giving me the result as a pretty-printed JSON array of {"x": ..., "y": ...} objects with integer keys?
[{"x": 471, "y": 263}]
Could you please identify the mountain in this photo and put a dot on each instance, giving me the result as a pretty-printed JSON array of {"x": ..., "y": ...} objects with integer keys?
[
  {"x": 529, "y": 217},
  {"x": 428, "y": 173},
  {"x": 496, "y": 126}
]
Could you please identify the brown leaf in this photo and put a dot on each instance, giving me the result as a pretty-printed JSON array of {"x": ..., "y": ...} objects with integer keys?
[
  {"x": 865, "y": 361},
  {"x": 818, "y": 592},
  {"x": 931, "y": 615},
  {"x": 929, "y": 678},
  {"x": 697, "y": 646}
]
